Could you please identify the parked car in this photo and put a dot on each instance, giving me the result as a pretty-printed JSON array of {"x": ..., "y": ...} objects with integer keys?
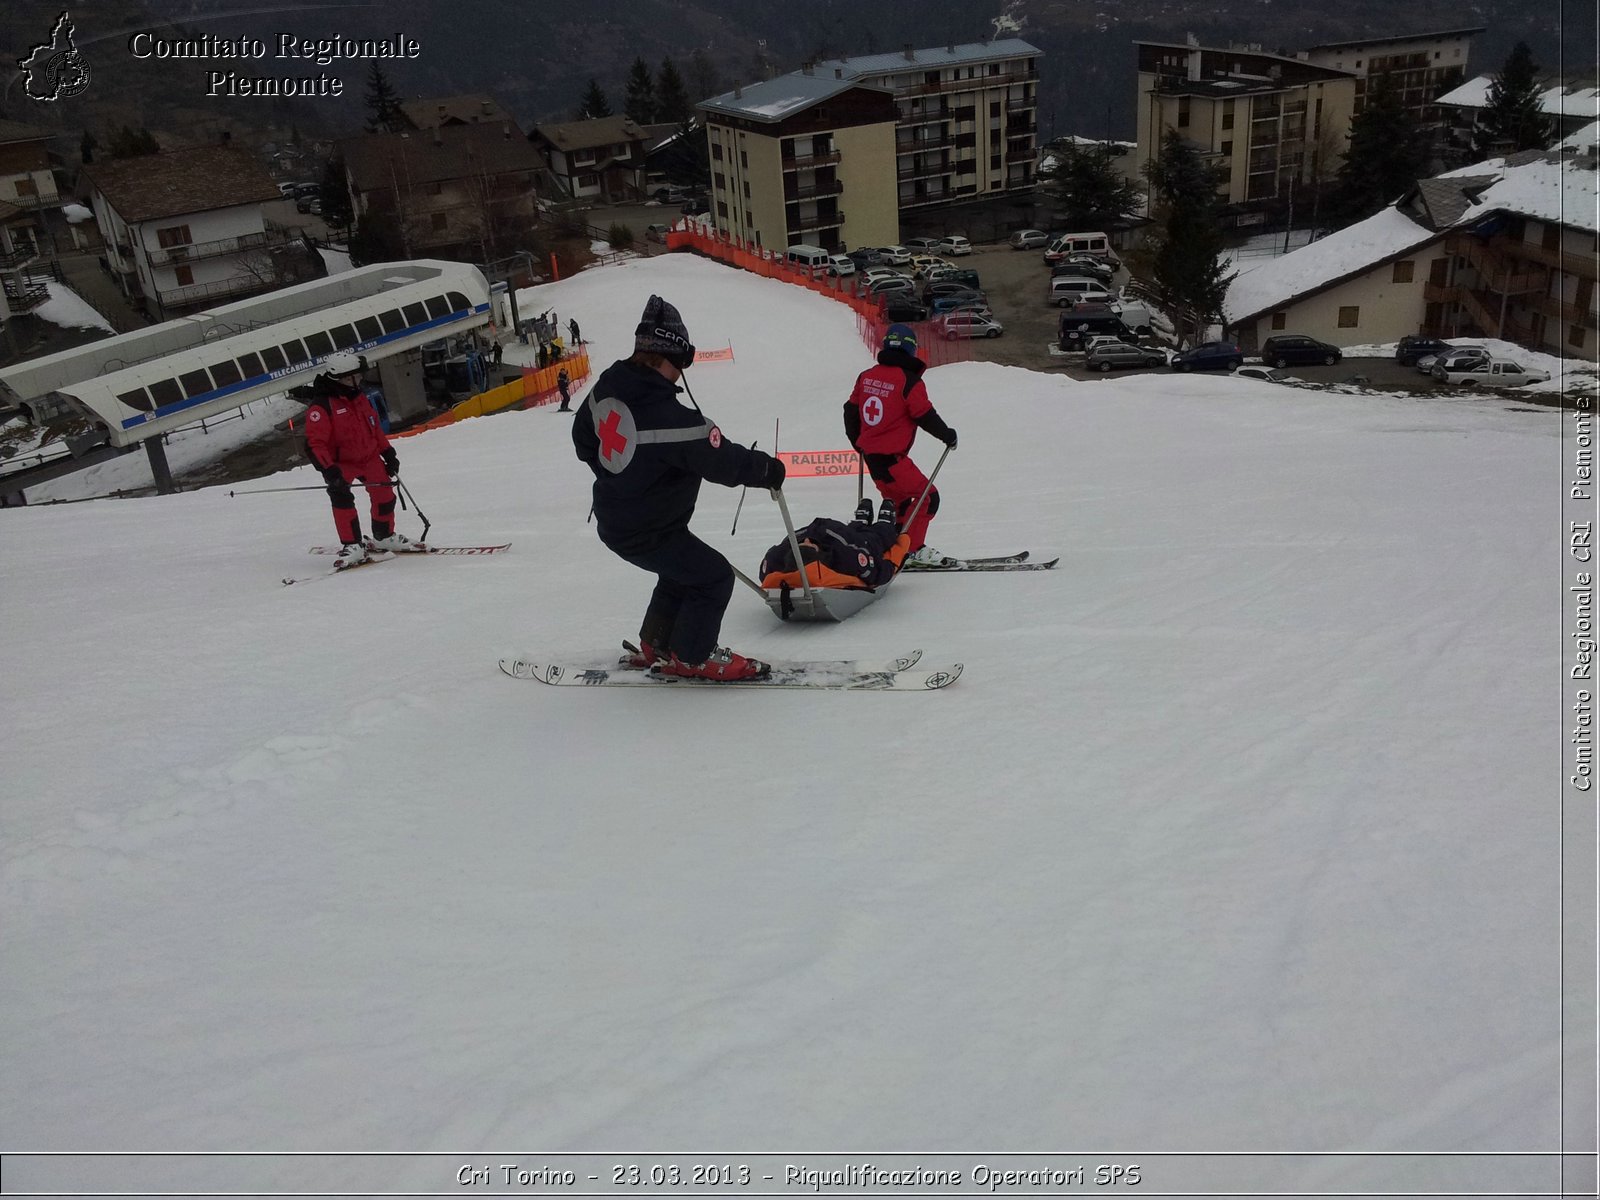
[
  {"x": 839, "y": 264},
  {"x": 902, "y": 306},
  {"x": 1029, "y": 239},
  {"x": 287, "y": 189},
  {"x": 865, "y": 256},
  {"x": 886, "y": 284},
  {"x": 1084, "y": 265},
  {"x": 953, "y": 275},
  {"x": 981, "y": 307},
  {"x": 951, "y": 300},
  {"x": 1208, "y": 356},
  {"x": 1490, "y": 372},
  {"x": 921, "y": 264},
  {"x": 1082, "y": 323},
  {"x": 1283, "y": 349},
  {"x": 1135, "y": 313},
  {"x": 1073, "y": 290},
  {"x": 871, "y": 273},
  {"x": 943, "y": 287},
  {"x": 895, "y": 256},
  {"x": 1411, "y": 349},
  {"x": 1111, "y": 354},
  {"x": 955, "y": 245},
  {"x": 695, "y": 205},
  {"x": 310, "y": 202},
  {"x": 922, "y": 245},
  {"x": 671, "y": 193},
  {"x": 655, "y": 233},
  {"x": 1460, "y": 353},
  {"x": 1268, "y": 374},
  {"x": 969, "y": 325},
  {"x": 308, "y": 189}
]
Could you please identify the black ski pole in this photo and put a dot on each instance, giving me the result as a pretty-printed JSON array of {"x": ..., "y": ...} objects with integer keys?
[
  {"x": 310, "y": 487},
  {"x": 740, "y": 509},
  {"x": 421, "y": 516}
]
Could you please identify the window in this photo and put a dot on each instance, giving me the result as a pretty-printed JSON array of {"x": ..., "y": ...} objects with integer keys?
[
  {"x": 1403, "y": 271},
  {"x": 273, "y": 359},
  {"x": 165, "y": 392},
  {"x": 27, "y": 187},
  {"x": 1227, "y": 114},
  {"x": 994, "y": 109},
  {"x": 250, "y": 366},
  {"x": 135, "y": 399},
  {"x": 1575, "y": 335},
  {"x": 369, "y": 328},
  {"x": 173, "y": 235},
  {"x": 747, "y": 189},
  {"x": 1349, "y": 316},
  {"x": 458, "y": 302},
  {"x": 1183, "y": 112},
  {"x": 716, "y": 151},
  {"x": 994, "y": 162},
  {"x": 1280, "y": 320},
  {"x": 722, "y": 209},
  {"x": 1227, "y": 149},
  {"x": 344, "y": 336},
  {"x": 194, "y": 383},
  {"x": 438, "y": 307},
  {"x": 589, "y": 180},
  {"x": 320, "y": 344},
  {"x": 744, "y": 159},
  {"x": 415, "y": 314},
  {"x": 225, "y": 372},
  {"x": 1552, "y": 237},
  {"x": 392, "y": 321},
  {"x": 184, "y": 274},
  {"x": 440, "y": 221}
]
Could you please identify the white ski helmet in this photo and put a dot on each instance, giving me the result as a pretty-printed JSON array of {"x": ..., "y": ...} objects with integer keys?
[{"x": 344, "y": 364}]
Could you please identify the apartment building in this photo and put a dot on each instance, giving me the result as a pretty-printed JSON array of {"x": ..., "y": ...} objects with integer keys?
[
  {"x": 1271, "y": 122},
  {"x": 457, "y": 190},
  {"x": 186, "y": 228},
  {"x": 1504, "y": 248},
  {"x": 804, "y": 158},
  {"x": 966, "y": 122},
  {"x": 1421, "y": 67}
]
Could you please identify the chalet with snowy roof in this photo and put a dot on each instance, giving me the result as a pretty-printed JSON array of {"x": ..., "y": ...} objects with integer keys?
[
  {"x": 1571, "y": 104},
  {"x": 187, "y": 228},
  {"x": 460, "y": 189},
  {"x": 602, "y": 158},
  {"x": 1504, "y": 248},
  {"x": 473, "y": 109}
]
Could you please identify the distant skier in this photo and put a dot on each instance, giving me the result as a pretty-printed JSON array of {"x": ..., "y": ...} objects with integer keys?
[
  {"x": 861, "y": 554},
  {"x": 572, "y": 325},
  {"x": 563, "y": 381},
  {"x": 649, "y": 454},
  {"x": 346, "y": 442},
  {"x": 886, "y": 408}
]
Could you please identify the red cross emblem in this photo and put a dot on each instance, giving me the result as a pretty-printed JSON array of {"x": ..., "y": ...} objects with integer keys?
[
  {"x": 872, "y": 410},
  {"x": 611, "y": 441}
]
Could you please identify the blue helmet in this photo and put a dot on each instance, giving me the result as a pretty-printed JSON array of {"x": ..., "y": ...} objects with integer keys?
[{"x": 900, "y": 337}]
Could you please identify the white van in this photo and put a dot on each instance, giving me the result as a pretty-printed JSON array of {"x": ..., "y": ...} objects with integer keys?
[
  {"x": 1064, "y": 244},
  {"x": 813, "y": 258},
  {"x": 1067, "y": 290}
]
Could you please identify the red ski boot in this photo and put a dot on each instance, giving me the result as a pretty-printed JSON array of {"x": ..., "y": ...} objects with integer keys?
[
  {"x": 641, "y": 657},
  {"x": 723, "y": 666}
]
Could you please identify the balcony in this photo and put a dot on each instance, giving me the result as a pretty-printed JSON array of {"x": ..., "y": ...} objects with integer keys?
[
  {"x": 1021, "y": 105},
  {"x": 25, "y": 296},
  {"x": 820, "y": 221},
  {"x": 801, "y": 162},
  {"x": 166, "y": 255},
  {"x": 18, "y": 258},
  {"x": 239, "y": 285},
  {"x": 928, "y": 171},
  {"x": 1026, "y": 154},
  {"x": 833, "y": 188},
  {"x": 912, "y": 147},
  {"x": 977, "y": 83}
]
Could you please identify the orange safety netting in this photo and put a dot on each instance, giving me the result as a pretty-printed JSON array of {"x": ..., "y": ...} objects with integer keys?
[{"x": 537, "y": 386}]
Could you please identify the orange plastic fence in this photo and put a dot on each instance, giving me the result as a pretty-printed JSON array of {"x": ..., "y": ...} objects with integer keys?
[
  {"x": 537, "y": 386},
  {"x": 932, "y": 347}
]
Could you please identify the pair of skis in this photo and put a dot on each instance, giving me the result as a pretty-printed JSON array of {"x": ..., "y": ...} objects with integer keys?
[
  {"x": 1001, "y": 562},
  {"x": 382, "y": 556},
  {"x": 835, "y": 675}
]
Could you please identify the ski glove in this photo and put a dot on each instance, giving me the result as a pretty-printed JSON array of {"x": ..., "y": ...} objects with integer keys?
[
  {"x": 949, "y": 438},
  {"x": 332, "y": 476},
  {"x": 776, "y": 473},
  {"x": 391, "y": 461}
]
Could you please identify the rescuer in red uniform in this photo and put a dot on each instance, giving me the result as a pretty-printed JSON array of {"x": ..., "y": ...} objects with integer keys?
[
  {"x": 881, "y": 418},
  {"x": 346, "y": 442}
]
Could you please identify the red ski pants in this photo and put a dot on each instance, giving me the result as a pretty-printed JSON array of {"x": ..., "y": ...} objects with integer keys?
[
  {"x": 903, "y": 486},
  {"x": 345, "y": 519}
]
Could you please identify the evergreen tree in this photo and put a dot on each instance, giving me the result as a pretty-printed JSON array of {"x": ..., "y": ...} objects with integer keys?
[
  {"x": 86, "y": 147},
  {"x": 377, "y": 239},
  {"x": 594, "y": 103},
  {"x": 335, "y": 195},
  {"x": 129, "y": 143},
  {"x": 1386, "y": 156},
  {"x": 704, "y": 82},
  {"x": 641, "y": 94},
  {"x": 1190, "y": 279},
  {"x": 1087, "y": 190},
  {"x": 672, "y": 97},
  {"x": 383, "y": 103},
  {"x": 1513, "y": 119}
]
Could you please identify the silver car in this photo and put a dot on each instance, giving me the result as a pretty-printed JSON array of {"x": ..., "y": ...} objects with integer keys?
[
  {"x": 969, "y": 324},
  {"x": 1109, "y": 356},
  {"x": 1029, "y": 239}
]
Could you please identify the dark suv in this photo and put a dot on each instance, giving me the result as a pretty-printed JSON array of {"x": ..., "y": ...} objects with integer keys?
[
  {"x": 1085, "y": 321},
  {"x": 1208, "y": 356},
  {"x": 1290, "y": 348},
  {"x": 1411, "y": 349}
]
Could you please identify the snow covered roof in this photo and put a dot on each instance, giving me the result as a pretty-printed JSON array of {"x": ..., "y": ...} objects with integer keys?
[
  {"x": 1278, "y": 281},
  {"x": 772, "y": 100},
  {"x": 1583, "y": 140},
  {"x": 1567, "y": 100},
  {"x": 1534, "y": 183},
  {"x": 962, "y": 55}
]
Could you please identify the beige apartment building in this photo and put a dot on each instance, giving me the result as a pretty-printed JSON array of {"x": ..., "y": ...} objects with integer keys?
[
  {"x": 804, "y": 159},
  {"x": 1271, "y": 122},
  {"x": 1422, "y": 67}
]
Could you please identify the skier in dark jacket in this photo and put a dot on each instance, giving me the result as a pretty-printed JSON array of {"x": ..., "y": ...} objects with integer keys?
[
  {"x": 886, "y": 408},
  {"x": 563, "y": 382},
  {"x": 862, "y": 554},
  {"x": 649, "y": 454}
]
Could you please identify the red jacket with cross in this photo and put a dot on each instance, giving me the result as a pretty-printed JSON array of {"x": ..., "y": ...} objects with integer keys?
[
  {"x": 342, "y": 429},
  {"x": 889, "y": 412}
]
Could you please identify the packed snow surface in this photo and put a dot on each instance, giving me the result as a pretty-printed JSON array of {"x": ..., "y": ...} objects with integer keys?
[{"x": 1232, "y": 836}]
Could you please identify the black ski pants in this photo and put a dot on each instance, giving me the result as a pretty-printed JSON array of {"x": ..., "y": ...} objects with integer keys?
[{"x": 693, "y": 586}]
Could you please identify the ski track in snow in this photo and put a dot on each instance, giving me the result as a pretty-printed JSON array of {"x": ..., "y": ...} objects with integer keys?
[{"x": 1231, "y": 834}]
